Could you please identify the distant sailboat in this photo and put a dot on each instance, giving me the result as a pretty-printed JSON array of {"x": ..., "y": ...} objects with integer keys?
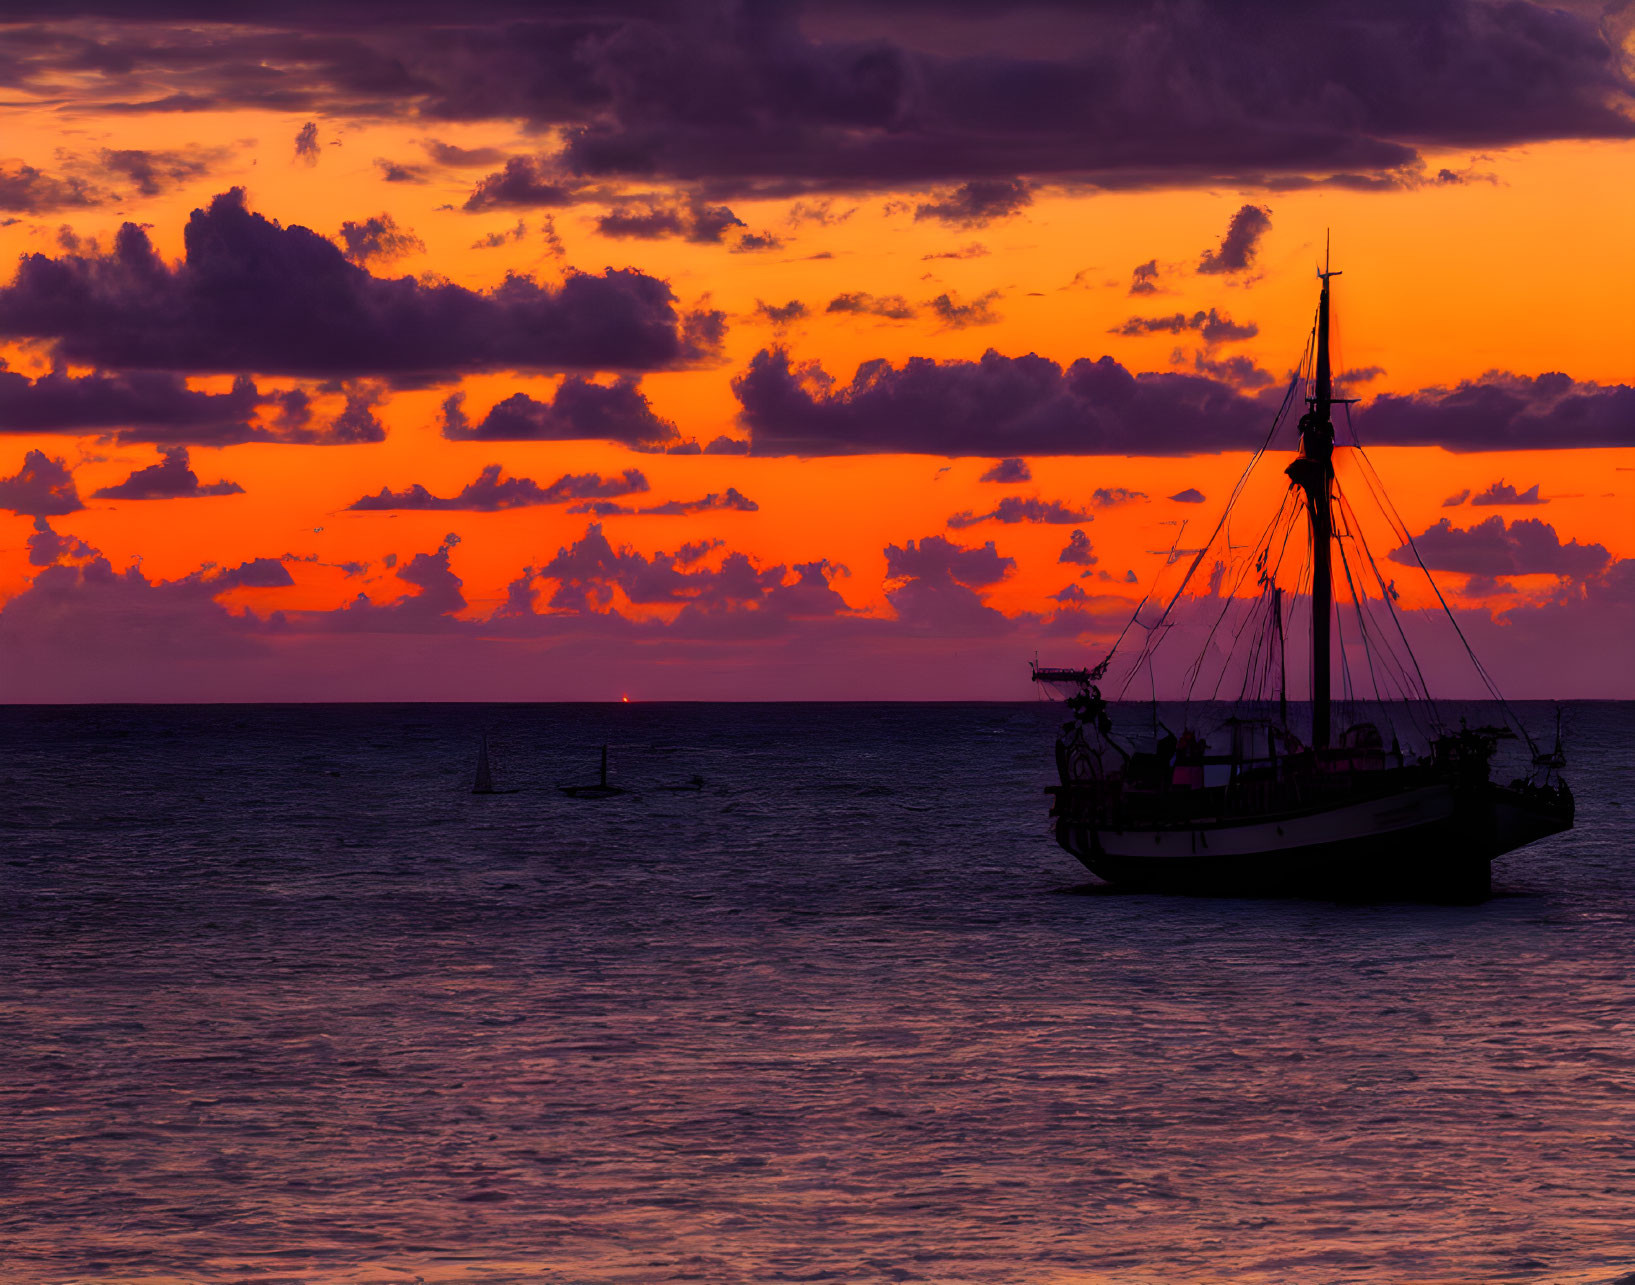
[
  {"x": 601, "y": 790},
  {"x": 484, "y": 784}
]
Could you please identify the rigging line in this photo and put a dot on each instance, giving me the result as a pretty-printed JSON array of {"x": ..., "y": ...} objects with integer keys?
[
  {"x": 1481, "y": 670},
  {"x": 1357, "y": 600},
  {"x": 1136, "y": 615},
  {"x": 1226, "y": 606},
  {"x": 1261, "y": 548},
  {"x": 1237, "y": 490},
  {"x": 1406, "y": 683},
  {"x": 1386, "y": 596}
]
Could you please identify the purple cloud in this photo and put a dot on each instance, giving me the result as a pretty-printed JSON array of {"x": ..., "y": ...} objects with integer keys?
[
  {"x": 43, "y": 487},
  {"x": 46, "y": 547},
  {"x": 1503, "y": 412},
  {"x": 1242, "y": 240},
  {"x": 26, "y": 190},
  {"x": 1214, "y": 327},
  {"x": 694, "y": 220},
  {"x": 936, "y": 586},
  {"x": 172, "y": 478},
  {"x": 490, "y": 492},
  {"x": 1501, "y": 492},
  {"x": 781, "y": 314},
  {"x": 1077, "y": 551},
  {"x": 1144, "y": 278},
  {"x": 252, "y": 295},
  {"x": 579, "y": 410},
  {"x": 1526, "y": 547},
  {"x": 1192, "y": 495},
  {"x": 731, "y": 500},
  {"x": 1008, "y": 471},
  {"x": 892, "y": 306},
  {"x": 1017, "y": 508},
  {"x": 378, "y": 239},
  {"x": 307, "y": 148},
  {"x": 978, "y": 203},
  {"x": 957, "y": 316},
  {"x": 526, "y": 182},
  {"x": 996, "y": 406}
]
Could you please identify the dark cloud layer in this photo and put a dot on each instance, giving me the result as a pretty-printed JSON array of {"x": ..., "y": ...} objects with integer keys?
[
  {"x": 254, "y": 296},
  {"x": 1503, "y": 412},
  {"x": 997, "y": 405},
  {"x": 1032, "y": 406},
  {"x": 1501, "y": 492},
  {"x": 750, "y": 100},
  {"x": 172, "y": 478},
  {"x": 579, "y": 410}
]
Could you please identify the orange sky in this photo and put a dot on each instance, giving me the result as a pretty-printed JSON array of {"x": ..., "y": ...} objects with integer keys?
[{"x": 1525, "y": 267}]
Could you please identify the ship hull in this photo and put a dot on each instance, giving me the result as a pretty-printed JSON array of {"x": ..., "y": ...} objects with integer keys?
[{"x": 1431, "y": 843}]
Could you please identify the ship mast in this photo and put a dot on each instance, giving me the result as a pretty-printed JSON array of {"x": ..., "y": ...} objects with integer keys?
[{"x": 1313, "y": 472}]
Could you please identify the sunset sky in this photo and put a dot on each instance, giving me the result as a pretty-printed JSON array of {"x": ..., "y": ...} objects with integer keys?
[{"x": 514, "y": 351}]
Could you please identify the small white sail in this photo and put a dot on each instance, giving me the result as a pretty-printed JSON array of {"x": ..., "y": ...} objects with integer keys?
[{"x": 484, "y": 783}]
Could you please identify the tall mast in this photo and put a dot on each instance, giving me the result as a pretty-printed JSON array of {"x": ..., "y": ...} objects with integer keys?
[{"x": 1313, "y": 471}]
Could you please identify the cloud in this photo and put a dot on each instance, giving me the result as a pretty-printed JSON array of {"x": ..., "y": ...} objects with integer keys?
[
  {"x": 1010, "y": 470},
  {"x": 507, "y": 236},
  {"x": 978, "y": 203},
  {"x": 46, "y": 547},
  {"x": 1242, "y": 240},
  {"x": 1017, "y": 508},
  {"x": 1239, "y": 371},
  {"x": 459, "y": 157},
  {"x": 525, "y": 182},
  {"x": 26, "y": 190},
  {"x": 781, "y": 314},
  {"x": 785, "y": 104},
  {"x": 356, "y": 424},
  {"x": 1501, "y": 492},
  {"x": 1192, "y": 495},
  {"x": 43, "y": 487},
  {"x": 1077, "y": 551},
  {"x": 731, "y": 500},
  {"x": 378, "y": 239},
  {"x": 1107, "y": 497},
  {"x": 1502, "y": 412},
  {"x": 172, "y": 478},
  {"x": 957, "y": 316},
  {"x": 156, "y": 171},
  {"x": 1454, "y": 501},
  {"x": 307, "y": 148},
  {"x": 395, "y": 172},
  {"x": 694, "y": 220},
  {"x": 934, "y": 586},
  {"x": 995, "y": 406},
  {"x": 579, "y": 410},
  {"x": 1526, "y": 547},
  {"x": 724, "y": 445},
  {"x": 1213, "y": 326},
  {"x": 1144, "y": 278},
  {"x": 892, "y": 306},
  {"x": 972, "y": 250},
  {"x": 490, "y": 492},
  {"x": 252, "y": 295},
  {"x": 138, "y": 405}
]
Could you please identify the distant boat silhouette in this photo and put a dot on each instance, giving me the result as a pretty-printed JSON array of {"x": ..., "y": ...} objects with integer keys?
[
  {"x": 484, "y": 782},
  {"x": 601, "y": 790}
]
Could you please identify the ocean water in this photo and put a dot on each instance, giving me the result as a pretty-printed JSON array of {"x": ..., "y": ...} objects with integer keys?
[{"x": 281, "y": 1001}]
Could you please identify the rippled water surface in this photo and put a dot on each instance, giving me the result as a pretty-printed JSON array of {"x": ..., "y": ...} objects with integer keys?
[{"x": 282, "y": 1001}]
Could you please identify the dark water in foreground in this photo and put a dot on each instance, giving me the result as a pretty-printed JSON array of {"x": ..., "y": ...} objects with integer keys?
[{"x": 280, "y": 1001}]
